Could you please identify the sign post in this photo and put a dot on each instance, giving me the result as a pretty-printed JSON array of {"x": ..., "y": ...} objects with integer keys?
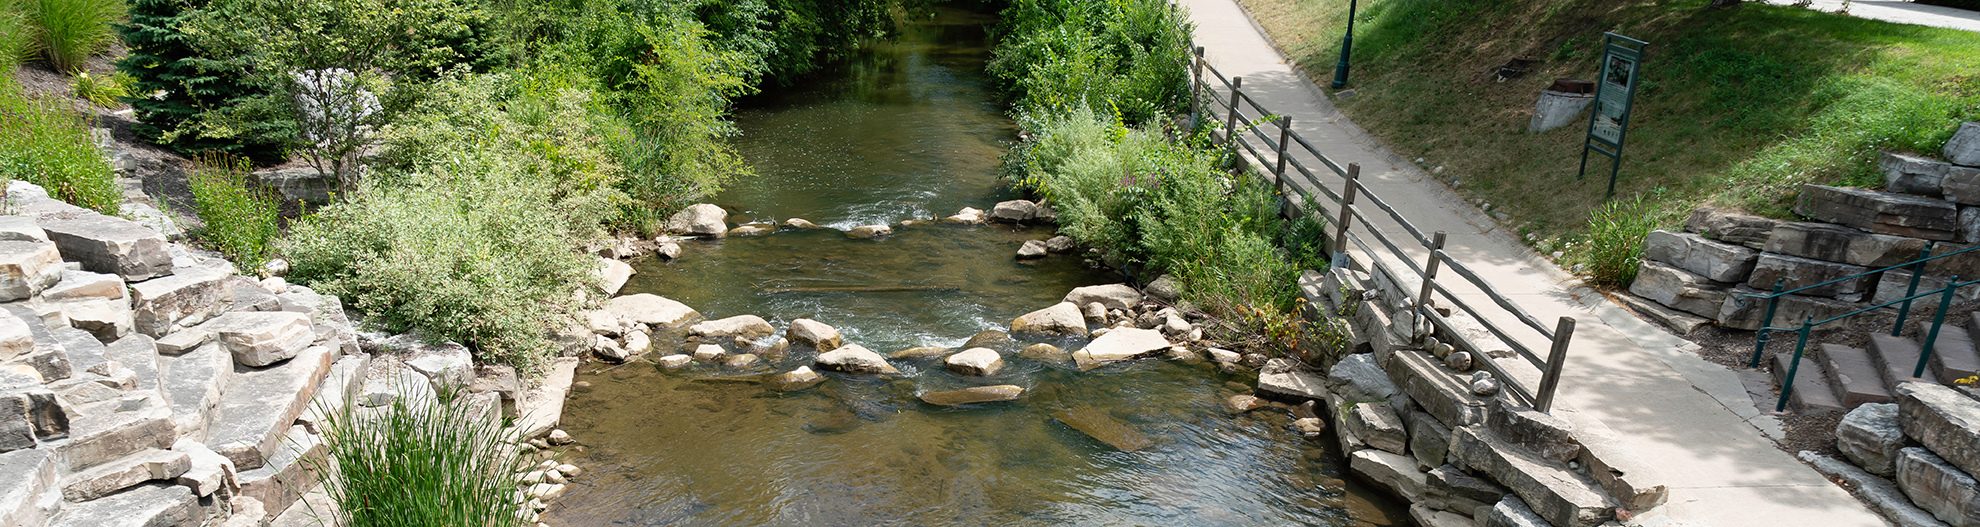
[{"x": 1615, "y": 94}]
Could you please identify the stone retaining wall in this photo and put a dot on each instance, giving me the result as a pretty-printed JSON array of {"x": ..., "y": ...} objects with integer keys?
[
  {"x": 1418, "y": 420},
  {"x": 1915, "y": 459},
  {"x": 1705, "y": 273}
]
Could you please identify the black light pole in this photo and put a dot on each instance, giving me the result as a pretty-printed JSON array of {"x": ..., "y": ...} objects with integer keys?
[{"x": 1347, "y": 44}]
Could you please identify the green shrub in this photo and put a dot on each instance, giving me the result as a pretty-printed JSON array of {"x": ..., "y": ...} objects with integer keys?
[
  {"x": 1127, "y": 55},
  {"x": 45, "y": 143},
  {"x": 242, "y": 219},
  {"x": 17, "y": 41},
  {"x": 473, "y": 250},
  {"x": 101, "y": 90},
  {"x": 177, "y": 85},
  {"x": 1615, "y": 241},
  {"x": 70, "y": 31},
  {"x": 420, "y": 463}
]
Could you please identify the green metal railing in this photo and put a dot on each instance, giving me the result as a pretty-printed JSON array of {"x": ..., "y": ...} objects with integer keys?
[
  {"x": 1212, "y": 93},
  {"x": 1916, "y": 267}
]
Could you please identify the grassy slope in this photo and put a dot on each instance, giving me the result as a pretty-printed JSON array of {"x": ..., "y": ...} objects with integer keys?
[{"x": 1740, "y": 105}]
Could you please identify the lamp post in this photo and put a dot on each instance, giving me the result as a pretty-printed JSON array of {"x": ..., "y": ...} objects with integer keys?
[{"x": 1347, "y": 45}]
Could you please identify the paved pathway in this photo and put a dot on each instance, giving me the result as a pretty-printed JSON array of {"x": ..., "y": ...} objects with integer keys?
[
  {"x": 1688, "y": 419},
  {"x": 1899, "y": 11}
]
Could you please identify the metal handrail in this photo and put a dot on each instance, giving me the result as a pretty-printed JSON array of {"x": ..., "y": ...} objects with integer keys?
[
  {"x": 1227, "y": 92},
  {"x": 1808, "y": 326}
]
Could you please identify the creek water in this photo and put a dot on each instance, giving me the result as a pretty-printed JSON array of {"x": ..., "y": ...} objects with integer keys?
[{"x": 911, "y": 129}]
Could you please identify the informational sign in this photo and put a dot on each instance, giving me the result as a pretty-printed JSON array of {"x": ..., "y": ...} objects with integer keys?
[{"x": 1615, "y": 93}]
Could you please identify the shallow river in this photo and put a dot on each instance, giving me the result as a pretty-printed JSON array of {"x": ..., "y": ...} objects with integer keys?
[{"x": 912, "y": 129}]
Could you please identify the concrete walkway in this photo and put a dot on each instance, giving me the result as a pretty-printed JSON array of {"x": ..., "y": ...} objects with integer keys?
[
  {"x": 1899, "y": 11},
  {"x": 1689, "y": 420}
]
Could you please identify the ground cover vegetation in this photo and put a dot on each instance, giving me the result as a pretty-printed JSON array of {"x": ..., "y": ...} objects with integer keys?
[
  {"x": 1740, "y": 105},
  {"x": 1095, "y": 87}
]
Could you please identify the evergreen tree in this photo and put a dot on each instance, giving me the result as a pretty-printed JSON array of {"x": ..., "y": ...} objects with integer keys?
[{"x": 175, "y": 88}]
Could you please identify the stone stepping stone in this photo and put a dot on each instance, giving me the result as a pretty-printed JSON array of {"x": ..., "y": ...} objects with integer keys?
[
  {"x": 973, "y": 395},
  {"x": 159, "y": 504},
  {"x": 259, "y": 405}
]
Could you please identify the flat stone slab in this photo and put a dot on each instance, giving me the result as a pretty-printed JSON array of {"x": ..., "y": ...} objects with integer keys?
[
  {"x": 612, "y": 275},
  {"x": 105, "y": 479},
  {"x": 1880, "y": 212},
  {"x": 1730, "y": 226},
  {"x": 104, "y": 431},
  {"x": 1879, "y": 492},
  {"x": 745, "y": 326},
  {"x": 973, "y": 395},
  {"x": 1836, "y": 243},
  {"x": 542, "y": 406},
  {"x": 1120, "y": 344},
  {"x": 1742, "y": 310},
  {"x": 108, "y": 244},
  {"x": 1563, "y": 497},
  {"x": 652, "y": 310},
  {"x": 1677, "y": 289},
  {"x": 1101, "y": 426},
  {"x": 192, "y": 382},
  {"x": 1720, "y": 262},
  {"x": 167, "y": 304},
  {"x": 288, "y": 474},
  {"x": 1441, "y": 394},
  {"x": 27, "y": 267},
  {"x": 1793, "y": 272},
  {"x": 1114, "y": 296},
  {"x": 1393, "y": 471},
  {"x": 1938, "y": 487},
  {"x": 27, "y": 487},
  {"x": 259, "y": 405},
  {"x": 152, "y": 505}
]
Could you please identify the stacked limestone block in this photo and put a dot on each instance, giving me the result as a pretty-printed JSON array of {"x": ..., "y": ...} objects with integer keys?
[
  {"x": 144, "y": 383},
  {"x": 1915, "y": 459},
  {"x": 1711, "y": 270},
  {"x": 1410, "y": 412}
]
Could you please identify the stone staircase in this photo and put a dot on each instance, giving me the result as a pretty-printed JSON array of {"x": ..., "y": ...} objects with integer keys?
[
  {"x": 146, "y": 384},
  {"x": 1834, "y": 377}
]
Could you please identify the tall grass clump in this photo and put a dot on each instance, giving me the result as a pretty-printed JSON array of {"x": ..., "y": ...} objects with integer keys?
[
  {"x": 242, "y": 219},
  {"x": 70, "y": 31},
  {"x": 44, "y": 143},
  {"x": 1614, "y": 247},
  {"x": 420, "y": 463},
  {"x": 16, "y": 36}
]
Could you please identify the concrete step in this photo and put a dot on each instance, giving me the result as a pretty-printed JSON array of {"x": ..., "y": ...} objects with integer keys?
[
  {"x": 260, "y": 404},
  {"x": 1812, "y": 391},
  {"x": 1896, "y": 359},
  {"x": 150, "y": 505},
  {"x": 1953, "y": 354},
  {"x": 1854, "y": 375}
]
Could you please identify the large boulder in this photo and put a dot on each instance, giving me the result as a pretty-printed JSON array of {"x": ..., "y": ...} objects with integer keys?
[
  {"x": 1731, "y": 227},
  {"x": 854, "y": 358},
  {"x": 1114, "y": 296},
  {"x": 1964, "y": 147},
  {"x": 27, "y": 267},
  {"x": 744, "y": 326},
  {"x": 1014, "y": 211},
  {"x": 652, "y": 310},
  {"x": 1880, "y": 212},
  {"x": 1795, "y": 273},
  {"x": 815, "y": 334},
  {"x": 1063, "y": 318},
  {"x": 612, "y": 275},
  {"x": 189, "y": 296},
  {"x": 1118, "y": 345},
  {"x": 1715, "y": 261},
  {"x": 107, "y": 244},
  {"x": 1949, "y": 493},
  {"x": 975, "y": 361},
  {"x": 1871, "y": 437},
  {"x": 1677, "y": 289},
  {"x": 258, "y": 339},
  {"x": 701, "y": 219},
  {"x": 1962, "y": 185},
  {"x": 1943, "y": 420},
  {"x": 1378, "y": 424},
  {"x": 1911, "y": 174}
]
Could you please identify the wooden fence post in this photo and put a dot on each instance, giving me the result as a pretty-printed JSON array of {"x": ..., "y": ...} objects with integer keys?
[
  {"x": 1430, "y": 271},
  {"x": 1347, "y": 204},
  {"x": 1285, "y": 142},
  {"x": 1196, "y": 87},
  {"x": 1556, "y": 360},
  {"x": 1230, "y": 125}
]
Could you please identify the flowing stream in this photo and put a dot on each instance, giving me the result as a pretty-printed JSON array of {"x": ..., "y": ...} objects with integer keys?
[{"x": 912, "y": 129}]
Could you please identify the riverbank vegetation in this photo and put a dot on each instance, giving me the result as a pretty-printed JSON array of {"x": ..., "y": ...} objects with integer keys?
[
  {"x": 1740, "y": 106},
  {"x": 420, "y": 461},
  {"x": 1095, "y": 86}
]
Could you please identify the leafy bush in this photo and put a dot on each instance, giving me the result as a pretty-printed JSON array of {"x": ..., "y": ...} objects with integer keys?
[
  {"x": 1167, "y": 205},
  {"x": 1615, "y": 241},
  {"x": 175, "y": 84},
  {"x": 420, "y": 463},
  {"x": 100, "y": 90},
  {"x": 69, "y": 31},
  {"x": 242, "y": 219},
  {"x": 1130, "y": 55},
  {"x": 473, "y": 249},
  {"x": 44, "y": 143}
]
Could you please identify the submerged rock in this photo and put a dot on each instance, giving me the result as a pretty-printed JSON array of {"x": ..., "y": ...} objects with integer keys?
[
  {"x": 973, "y": 395},
  {"x": 1098, "y": 425},
  {"x": 853, "y": 358},
  {"x": 988, "y": 338},
  {"x": 753, "y": 229},
  {"x": 800, "y": 223},
  {"x": 1045, "y": 352},
  {"x": 869, "y": 231},
  {"x": 919, "y": 352},
  {"x": 702, "y": 219},
  {"x": 975, "y": 361}
]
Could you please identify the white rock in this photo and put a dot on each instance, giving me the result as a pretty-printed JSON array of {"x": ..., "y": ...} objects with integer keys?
[
  {"x": 975, "y": 361},
  {"x": 815, "y": 334},
  {"x": 701, "y": 219},
  {"x": 652, "y": 310},
  {"x": 853, "y": 358},
  {"x": 1114, "y": 296},
  {"x": 1031, "y": 250},
  {"x": 744, "y": 326},
  {"x": 869, "y": 231},
  {"x": 612, "y": 275},
  {"x": 708, "y": 352},
  {"x": 674, "y": 362},
  {"x": 1119, "y": 345},
  {"x": 968, "y": 215},
  {"x": 1063, "y": 318}
]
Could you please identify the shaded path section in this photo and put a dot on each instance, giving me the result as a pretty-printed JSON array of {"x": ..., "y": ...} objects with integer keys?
[{"x": 1690, "y": 419}]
